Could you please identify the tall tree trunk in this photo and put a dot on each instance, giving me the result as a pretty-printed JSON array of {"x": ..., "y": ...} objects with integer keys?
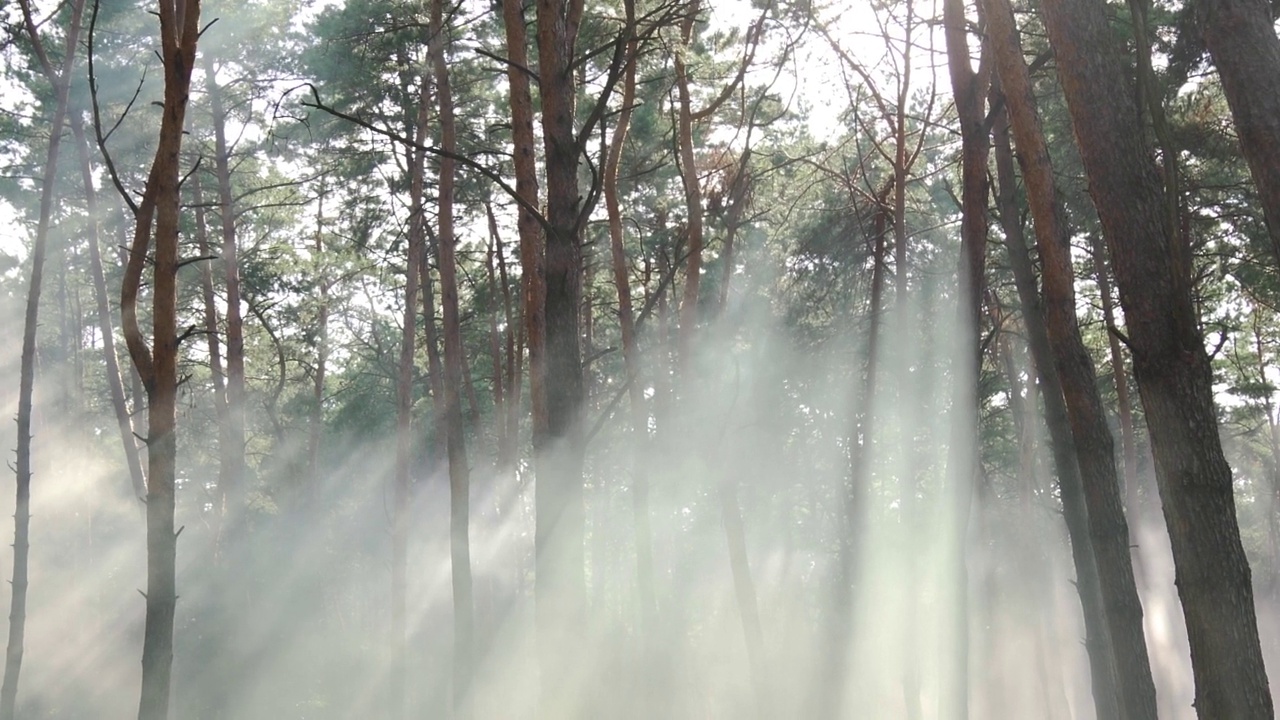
[
  {"x": 459, "y": 472},
  {"x": 532, "y": 242},
  {"x": 1095, "y": 448},
  {"x": 1171, "y": 365},
  {"x": 630, "y": 347},
  {"x": 115, "y": 385},
  {"x": 1241, "y": 37},
  {"x": 970, "y": 91},
  {"x": 60, "y": 79},
  {"x": 158, "y": 365},
  {"x": 315, "y": 425},
  {"x": 1120, "y": 378},
  {"x": 231, "y": 485},
  {"x": 558, "y": 440},
  {"x": 1098, "y": 644}
]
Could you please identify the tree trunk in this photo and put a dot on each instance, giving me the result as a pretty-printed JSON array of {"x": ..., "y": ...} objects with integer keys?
[
  {"x": 231, "y": 485},
  {"x": 1120, "y": 377},
  {"x": 115, "y": 384},
  {"x": 459, "y": 472},
  {"x": 60, "y": 79},
  {"x": 1098, "y": 643},
  {"x": 1241, "y": 37},
  {"x": 1095, "y": 448},
  {"x": 630, "y": 348},
  {"x": 970, "y": 90},
  {"x": 532, "y": 243},
  {"x": 1171, "y": 366},
  {"x": 558, "y": 441},
  {"x": 158, "y": 365}
]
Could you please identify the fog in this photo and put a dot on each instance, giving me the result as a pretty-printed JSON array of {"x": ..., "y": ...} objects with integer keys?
[{"x": 288, "y": 616}]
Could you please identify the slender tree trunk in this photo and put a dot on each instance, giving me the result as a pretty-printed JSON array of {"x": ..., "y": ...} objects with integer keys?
[
  {"x": 459, "y": 472},
  {"x": 1102, "y": 667},
  {"x": 231, "y": 487},
  {"x": 60, "y": 79},
  {"x": 1120, "y": 377},
  {"x": 157, "y": 365},
  {"x": 630, "y": 347},
  {"x": 111, "y": 359},
  {"x": 315, "y": 426},
  {"x": 1095, "y": 448},
  {"x": 1241, "y": 37},
  {"x": 532, "y": 242},
  {"x": 1171, "y": 365}
]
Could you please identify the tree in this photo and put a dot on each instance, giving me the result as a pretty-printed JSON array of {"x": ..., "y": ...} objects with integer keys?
[
  {"x": 1241, "y": 37},
  {"x": 1170, "y": 364},
  {"x": 60, "y": 79},
  {"x": 156, "y": 228}
]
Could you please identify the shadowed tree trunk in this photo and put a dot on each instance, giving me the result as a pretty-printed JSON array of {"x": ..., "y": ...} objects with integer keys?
[
  {"x": 1095, "y": 448},
  {"x": 1241, "y": 37},
  {"x": 558, "y": 441},
  {"x": 1106, "y": 698},
  {"x": 963, "y": 464},
  {"x": 60, "y": 79},
  {"x": 1174, "y": 377}
]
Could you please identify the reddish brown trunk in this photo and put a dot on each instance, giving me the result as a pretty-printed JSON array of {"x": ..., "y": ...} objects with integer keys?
[
  {"x": 1171, "y": 366},
  {"x": 1095, "y": 449},
  {"x": 459, "y": 472}
]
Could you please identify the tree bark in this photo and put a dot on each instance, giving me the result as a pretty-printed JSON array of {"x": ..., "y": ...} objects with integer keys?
[
  {"x": 1062, "y": 443},
  {"x": 1241, "y": 38},
  {"x": 158, "y": 365},
  {"x": 970, "y": 90},
  {"x": 1095, "y": 448},
  {"x": 60, "y": 79},
  {"x": 459, "y": 472},
  {"x": 1171, "y": 366}
]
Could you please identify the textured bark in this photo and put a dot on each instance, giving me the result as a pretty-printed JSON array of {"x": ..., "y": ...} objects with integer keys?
[
  {"x": 60, "y": 79},
  {"x": 111, "y": 360},
  {"x": 459, "y": 472},
  {"x": 1120, "y": 378},
  {"x": 969, "y": 88},
  {"x": 1241, "y": 38},
  {"x": 156, "y": 227},
  {"x": 532, "y": 249},
  {"x": 1095, "y": 448},
  {"x": 1171, "y": 366},
  {"x": 558, "y": 441},
  {"x": 1102, "y": 667}
]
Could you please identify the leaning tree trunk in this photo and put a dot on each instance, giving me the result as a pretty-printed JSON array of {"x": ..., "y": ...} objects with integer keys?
[
  {"x": 1175, "y": 380},
  {"x": 60, "y": 78},
  {"x": 1241, "y": 37},
  {"x": 1061, "y": 441},
  {"x": 115, "y": 384},
  {"x": 1095, "y": 448}
]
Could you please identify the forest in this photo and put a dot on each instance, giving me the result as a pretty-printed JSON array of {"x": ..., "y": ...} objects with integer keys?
[{"x": 639, "y": 359}]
